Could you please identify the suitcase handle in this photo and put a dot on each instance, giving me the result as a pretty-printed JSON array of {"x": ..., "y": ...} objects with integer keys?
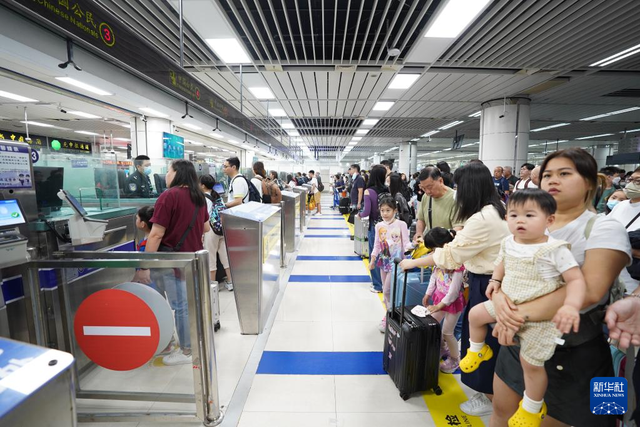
[{"x": 395, "y": 290}]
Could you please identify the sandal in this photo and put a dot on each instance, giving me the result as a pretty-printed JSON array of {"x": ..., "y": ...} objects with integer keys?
[
  {"x": 524, "y": 418},
  {"x": 472, "y": 360}
]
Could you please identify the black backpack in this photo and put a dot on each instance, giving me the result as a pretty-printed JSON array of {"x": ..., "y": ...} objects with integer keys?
[
  {"x": 254, "y": 194},
  {"x": 381, "y": 196},
  {"x": 320, "y": 185},
  {"x": 404, "y": 213}
]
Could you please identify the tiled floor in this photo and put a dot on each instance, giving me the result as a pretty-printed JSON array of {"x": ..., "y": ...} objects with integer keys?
[{"x": 313, "y": 316}]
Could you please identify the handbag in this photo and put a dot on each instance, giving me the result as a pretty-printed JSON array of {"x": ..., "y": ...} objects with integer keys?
[{"x": 176, "y": 248}]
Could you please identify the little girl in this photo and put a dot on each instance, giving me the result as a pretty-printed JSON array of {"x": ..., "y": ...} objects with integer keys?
[
  {"x": 143, "y": 223},
  {"x": 446, "y": 290},
  {"x": 384, "y": 247},
  {"x": 530, "y": 264}
]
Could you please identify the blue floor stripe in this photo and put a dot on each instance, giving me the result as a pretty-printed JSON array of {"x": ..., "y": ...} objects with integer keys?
[
  {"x": 329, "y": 236},
  {"x": 321, "y": 363},
  {"x": 328, "y": 258},
  {"x": 327, "y": 228},
  {"x": 330, "y": 279},
  {"x": 328, "y": 219}
]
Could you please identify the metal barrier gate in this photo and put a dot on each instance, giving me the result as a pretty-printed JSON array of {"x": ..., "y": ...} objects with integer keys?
[{"x": 111, "y": 267}]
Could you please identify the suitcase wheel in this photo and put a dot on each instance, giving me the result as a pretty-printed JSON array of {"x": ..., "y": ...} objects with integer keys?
[
  {"x": 216, "y": 327},
  {"x": 437, "y": 390},
  {"x": 405, "y": 396}
]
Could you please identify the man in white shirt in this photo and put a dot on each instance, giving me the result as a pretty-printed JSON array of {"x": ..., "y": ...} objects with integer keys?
[
  {"x": 525, "y": 178},
  {"x": 238, "y": 187},
  {"x": 313, "y": 181},
  {"x": 628, "y": 214}
]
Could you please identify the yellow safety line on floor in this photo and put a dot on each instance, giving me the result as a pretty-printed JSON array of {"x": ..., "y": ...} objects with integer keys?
[{"x": 444, "y": 409}]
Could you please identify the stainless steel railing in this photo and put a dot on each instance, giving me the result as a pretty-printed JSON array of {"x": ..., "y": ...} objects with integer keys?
[{"x": 205, "y": 374}]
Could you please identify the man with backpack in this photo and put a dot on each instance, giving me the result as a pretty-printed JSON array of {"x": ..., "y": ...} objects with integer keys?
[
  {"x": 315, "y": 190},
  {"x": 240, "y": 189}
]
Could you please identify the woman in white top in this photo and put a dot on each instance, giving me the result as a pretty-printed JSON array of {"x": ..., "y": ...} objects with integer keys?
[
  {"x": 601, "y": 247},
  {"x": 628, "y": 214}
]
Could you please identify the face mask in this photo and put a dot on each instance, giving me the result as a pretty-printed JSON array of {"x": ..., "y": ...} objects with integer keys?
[
  {"x": 612, "y": 204},
  {"x": 616, "y": 180},
  {"x": 147, "y": 170},
  {"x": 632, "y": 190}
]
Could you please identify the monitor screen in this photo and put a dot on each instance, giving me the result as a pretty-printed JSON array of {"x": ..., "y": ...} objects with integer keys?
[
  {"x": 219, "y": 188},
  {"x": 48, "y": 181},
  {"x": 11, "y": 214},
  {"x": 75, "y": 204},
  {"x": 172, "y": 146}
]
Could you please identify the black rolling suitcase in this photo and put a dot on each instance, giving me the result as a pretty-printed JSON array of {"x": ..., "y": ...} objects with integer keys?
[
  {"x": 344, "y": 206},
  {"x": 411, "y": 347}
]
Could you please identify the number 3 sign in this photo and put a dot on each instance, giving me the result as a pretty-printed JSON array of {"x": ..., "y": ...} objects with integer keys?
[{"x": 107, "y": 34}]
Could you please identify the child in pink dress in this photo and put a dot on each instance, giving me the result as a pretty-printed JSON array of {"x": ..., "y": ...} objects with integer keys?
[
  {"x": 392, "y": 238},
  {"x": 446, "y": 292}
]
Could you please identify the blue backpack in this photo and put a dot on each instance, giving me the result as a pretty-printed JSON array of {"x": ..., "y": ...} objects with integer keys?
[{"x": 254, "y": 194}]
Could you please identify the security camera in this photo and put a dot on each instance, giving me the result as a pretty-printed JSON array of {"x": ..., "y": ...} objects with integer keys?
[
  {"x": 143, "y": 118},
  {"x": 501, "y": 116}
]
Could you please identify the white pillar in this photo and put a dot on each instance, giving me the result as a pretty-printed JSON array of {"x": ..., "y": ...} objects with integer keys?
[
  {"x": 504, "y": 132},
  {"x": 404, "y": 158},
  {"x": 146, "y": 137},
  {"x": 376, "y": 159},
  {"x": 413, "y": 158},
  {"x": 600, "y": 154}
]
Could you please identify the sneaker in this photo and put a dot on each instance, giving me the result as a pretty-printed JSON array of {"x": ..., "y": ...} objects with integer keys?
[
  {"x": 382, "y": 327},
  {"x": 449, "y": 366},
  {"x": 229, "y": 286},
  {"x": 176, "y": 358},
  {"x": 375, "y": 290},
  {"x": 479, "y": 405}
]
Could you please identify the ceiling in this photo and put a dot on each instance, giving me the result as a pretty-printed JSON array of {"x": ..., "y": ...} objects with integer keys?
[{"x": 327, "y": 64}]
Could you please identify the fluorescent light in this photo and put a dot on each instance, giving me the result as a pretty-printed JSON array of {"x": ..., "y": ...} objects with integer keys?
[
  {"x": 189, "y": 151},
  {"x": 450, "y": 125},
  {"x": 595, "y": 136},
  {"x": 229, "y": 50},
  {"x": 122, "y": 139},
  {"x": 455, "y": 17},
  {"x": 562, "y": 140},
  {"x": 617, "y": 57},
  {"x": 356, "y": 138},
  {"x": 631, "y": 131},
  {"x": 216, "y": 135},
  {"x": 353, "y": 142},
  {"x": 613, "y": 113},
  {"x": 86, "y": 132},
  {"x": 370, "y": 122},
  {"x": 415, "y": 139},
  {"x": 362, "y": 131},
  {"x": 190, "y": 126},
  {"x": 293, "y": 133},
  {"x": 403, "y": 81},
  {"x": 433, "y": 132},
  {"x": 153, "y": 112},
  {"x": 550, "y": 127},
  {"x": 262, "y": 92},
  {"x": 44, "y": 125},
  {"x": 476, "y": 114},
  {"x": 277, "y": 112},
  {"x": 83, "y": 85},
  {"x": 188, "y": 141},
  {"x": 16, "y": 97},
  {"x": 83, "y": 114},
  {"x": 287, "y": 125},
  {"x": 383, "y": 106}
]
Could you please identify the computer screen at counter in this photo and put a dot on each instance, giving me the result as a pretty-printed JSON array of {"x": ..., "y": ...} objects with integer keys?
[{"x": 10, "y": 214}]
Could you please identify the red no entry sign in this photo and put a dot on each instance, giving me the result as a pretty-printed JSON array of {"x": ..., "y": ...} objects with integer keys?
[{"x": 116, "y": 329}]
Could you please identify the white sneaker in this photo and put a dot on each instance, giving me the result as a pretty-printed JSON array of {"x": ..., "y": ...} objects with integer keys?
[
  {"x": 229, "y": 286},
  {"x": 177, "y": 358},
  {"x": 479, "y": 405}
]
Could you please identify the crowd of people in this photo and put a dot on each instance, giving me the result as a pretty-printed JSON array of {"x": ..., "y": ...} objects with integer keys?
[{"x": 542, "y": 256}]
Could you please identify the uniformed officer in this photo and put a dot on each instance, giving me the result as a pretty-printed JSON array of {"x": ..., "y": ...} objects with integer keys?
[{"x": 138, "y": 183}]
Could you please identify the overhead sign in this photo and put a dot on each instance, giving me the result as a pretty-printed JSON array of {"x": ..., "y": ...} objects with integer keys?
[
  {"x": 36, "y": 141},
  {"x": 68, "y": 146},
  {"x": 117, "y": 330},
  {"x": 91, "y": 23}
]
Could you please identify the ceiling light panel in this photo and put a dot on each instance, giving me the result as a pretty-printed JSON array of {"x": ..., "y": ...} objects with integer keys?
[
  {"x": 403, "y": 81},
  {"x": 277, "y": 112},
  {"x": 44, "y": 125},
  {"x": 455, "y": 17},
  {"x": 190, "y": 126},
  {"x": 383, "y": 106},
  {"x": 612, "y": 113},
  {"x": 262, "y": 92},
  {"x": 153, "y": 112},
  {"x": 86, "y": 132},
  {"x": 370, "y": 122},
  {"x": 362, "y": 131},
  {"x": 433, "y": 132},
  {"x": 15, "y": 97},
  {"x": 287, "y": 125},
  {"x": 450, "y": 125},
  {"x": 617, "y": 57},
  {"x": 229, "y": 50},
  {"x": 476, "y": 114},
  {"x": 550, "y": 127},
  {"x": 594, "y": 136},
  {"x": 83, "y": 85},
  {"x": 83, "y": 114}
]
